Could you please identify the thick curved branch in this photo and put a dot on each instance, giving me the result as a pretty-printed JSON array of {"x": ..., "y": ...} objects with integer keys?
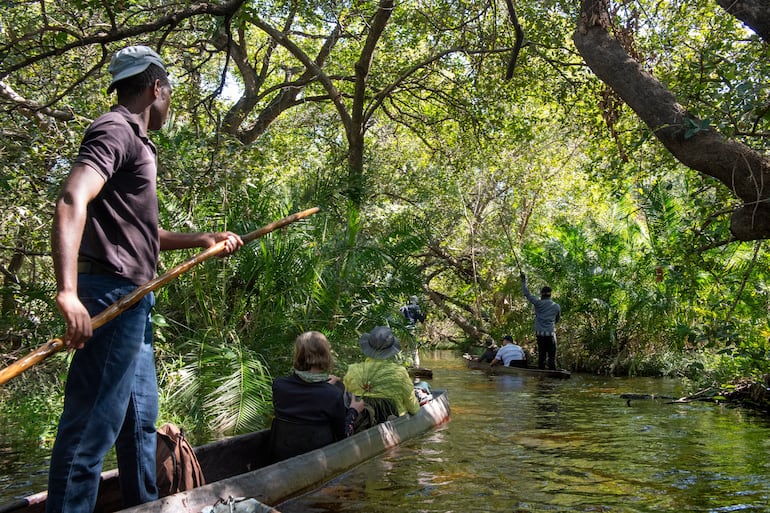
[
  {"x": 519, "y": 40},
  {"x": 469, "y": 329},
  {"x": 288, "y": 95},
  {"x": 741, "y": 169},
  {"x": 310, "y": 65},
  {"x": 253, "y": 80}
]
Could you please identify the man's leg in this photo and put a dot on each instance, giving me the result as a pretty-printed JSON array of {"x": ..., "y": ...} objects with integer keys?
[
  {"x": 542, "y": 351},
  {"x": 552, "y": 353},
  {"x": 135, "y": 446},
  {"x": 96, "y": 397}
]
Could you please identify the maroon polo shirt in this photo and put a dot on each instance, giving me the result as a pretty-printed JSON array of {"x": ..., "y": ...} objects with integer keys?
[{"x": 121, "y": 232}]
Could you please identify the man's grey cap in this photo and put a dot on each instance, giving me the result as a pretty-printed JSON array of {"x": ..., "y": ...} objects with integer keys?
[{"x": 131, "y": 61}]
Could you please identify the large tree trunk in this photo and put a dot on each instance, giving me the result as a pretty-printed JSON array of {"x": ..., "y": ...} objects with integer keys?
[
  {"x": 744, "y": 171},
  {"x": 359, "y": 117}
]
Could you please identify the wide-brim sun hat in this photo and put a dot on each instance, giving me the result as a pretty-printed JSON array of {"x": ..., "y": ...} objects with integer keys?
[
  {"x": 131, "y": 61},
  {"x": 380, "y": 343}
]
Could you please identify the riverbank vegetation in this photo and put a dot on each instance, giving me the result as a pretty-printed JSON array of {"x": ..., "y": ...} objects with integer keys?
[{"x": 450, "y": 146}]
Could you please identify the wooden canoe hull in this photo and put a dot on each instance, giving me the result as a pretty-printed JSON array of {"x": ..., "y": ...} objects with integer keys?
[
  {"x": 501, "y": 369},
  {"x": 236, "y": 467},
  {"x": 420, "y": 372}
]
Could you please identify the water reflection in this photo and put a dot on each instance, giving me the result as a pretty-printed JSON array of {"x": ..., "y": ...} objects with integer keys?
[
  {"x": 507, "y": 382},
  {"x": 524, "y": 444},
  {"x": 24, "y": 465}
]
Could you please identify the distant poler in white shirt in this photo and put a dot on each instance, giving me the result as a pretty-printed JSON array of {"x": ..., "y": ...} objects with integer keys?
[{"x": 547, "y": 314}]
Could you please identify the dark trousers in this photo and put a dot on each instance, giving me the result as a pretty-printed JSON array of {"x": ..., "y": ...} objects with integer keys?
[{"x": 546, "y": 351}]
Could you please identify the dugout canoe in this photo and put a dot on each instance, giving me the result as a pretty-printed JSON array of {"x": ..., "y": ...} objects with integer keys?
[
  {"x": 236, "y": 467},
  {"x": 420, "y": 372},
  {"x": 531, "y": 371}
]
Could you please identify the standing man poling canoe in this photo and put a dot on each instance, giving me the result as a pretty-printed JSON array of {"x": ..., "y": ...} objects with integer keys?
[
  {"x": 105, "y": 244},
  {"x": 547, "y": 314}
]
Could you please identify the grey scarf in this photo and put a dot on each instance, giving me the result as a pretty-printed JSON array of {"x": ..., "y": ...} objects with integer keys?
[{"x": 311, "y": 377}]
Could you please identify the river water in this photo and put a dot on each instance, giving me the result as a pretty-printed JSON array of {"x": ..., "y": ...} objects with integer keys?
[{"x": 527, "y": 444}]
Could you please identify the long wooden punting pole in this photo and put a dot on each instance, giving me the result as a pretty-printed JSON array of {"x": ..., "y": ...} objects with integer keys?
[{"x": 122, "y": 304}]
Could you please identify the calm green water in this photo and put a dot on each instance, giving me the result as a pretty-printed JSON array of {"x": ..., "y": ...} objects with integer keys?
[{"x": 522, "y": 444}]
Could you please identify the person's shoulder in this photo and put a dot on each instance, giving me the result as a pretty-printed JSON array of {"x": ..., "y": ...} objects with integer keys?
[
  {"x": 281, "y": 385},
  {"x": 116, "y": 116},
  {"x": 284, "y": 379},
  {"x": 113, "y": 125},
  {"x": 333, "y": 390}
]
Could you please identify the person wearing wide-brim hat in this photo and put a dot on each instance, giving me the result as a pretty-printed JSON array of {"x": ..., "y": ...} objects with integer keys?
[
  {"x": 379, "y": 377},
  {"x": 380, "y": 343}
]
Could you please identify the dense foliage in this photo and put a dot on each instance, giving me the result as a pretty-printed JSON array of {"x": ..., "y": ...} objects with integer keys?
[{"x": 435, "y": 176}]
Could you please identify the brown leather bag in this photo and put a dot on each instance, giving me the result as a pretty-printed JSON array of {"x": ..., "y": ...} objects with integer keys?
[{"x": 177, "y": 466}]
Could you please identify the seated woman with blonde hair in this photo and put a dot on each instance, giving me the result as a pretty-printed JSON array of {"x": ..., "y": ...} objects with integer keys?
[{"x": 309, "y": 404}]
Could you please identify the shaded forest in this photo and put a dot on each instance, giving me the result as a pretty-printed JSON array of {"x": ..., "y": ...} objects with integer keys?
[{"x": 615, "y": 151}]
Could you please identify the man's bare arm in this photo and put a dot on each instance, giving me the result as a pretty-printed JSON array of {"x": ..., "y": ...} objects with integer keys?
[{"x": 82, "y": 185}]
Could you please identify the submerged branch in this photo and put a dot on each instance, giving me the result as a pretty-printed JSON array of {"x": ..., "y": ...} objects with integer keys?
[{"x": 748, "y": 393}]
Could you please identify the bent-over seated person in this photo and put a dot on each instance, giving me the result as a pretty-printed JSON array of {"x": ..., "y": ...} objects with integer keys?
[
  {"x": 489, "y": 353},
  {"x": 510, "y": 354},
  {"x": 422, "y": 392},
  {"x": 309, "y": 404}
]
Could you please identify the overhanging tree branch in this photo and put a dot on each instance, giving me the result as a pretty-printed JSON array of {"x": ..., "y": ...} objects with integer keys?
[
  {"x": 754, "y": 13},
  {"x": 101, "y": 37},
  {"x": 519, "y": 40},
  {"x": 741, "y": 169},
  {"x": 33, "y": 109}
]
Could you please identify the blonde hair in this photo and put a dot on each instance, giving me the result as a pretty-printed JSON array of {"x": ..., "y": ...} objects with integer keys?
[{"x": 312, "y": 349}]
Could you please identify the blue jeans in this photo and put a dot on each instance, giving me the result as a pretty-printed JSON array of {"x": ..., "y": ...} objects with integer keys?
[{"x": 111, "y": 398}]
